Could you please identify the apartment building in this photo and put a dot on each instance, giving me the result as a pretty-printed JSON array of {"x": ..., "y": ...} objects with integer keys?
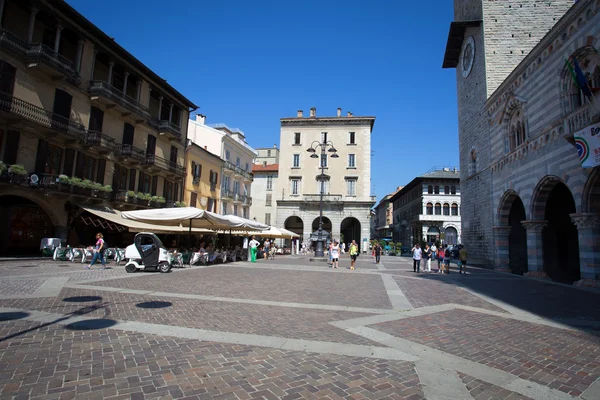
[
  {"x": 202, "y": 189},
  {"x": 82, "y": 121},
  {"x": 345, "y": 182},
  {"x": 267, "y": 155},
  {"x": 265, "y": 186},
  {"x": 236, "y": 176}
]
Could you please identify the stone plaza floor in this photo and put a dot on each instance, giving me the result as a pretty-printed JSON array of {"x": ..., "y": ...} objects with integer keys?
[{"x": 291, "y": 329}]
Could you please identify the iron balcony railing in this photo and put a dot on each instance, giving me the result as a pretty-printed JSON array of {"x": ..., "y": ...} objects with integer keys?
[
  {"x": 326, "y": 197},
  {"x": 227, "y": 194},
  {"x": 195, "y": 180},
  {"x": 213, "y": 186},
  {"x": 99, "y": 139},
  {"x": 41, "y": 117},
  {"x": 38, "y": 52},
  {"x": 101, "y": 88},
  {"x": 231, "y": 166},
  {"x": 166, "y": 126},
  {"x": 247, "y": 200},
  {"x": 129, "y": 151},
  {"x": 13, "y": 43},
  {"x": 152, "y": 159}
]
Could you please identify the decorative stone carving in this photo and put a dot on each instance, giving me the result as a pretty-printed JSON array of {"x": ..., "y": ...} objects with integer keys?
[
  {"x": 586, "y": 220},
  {"x": 534, "y": 226}
]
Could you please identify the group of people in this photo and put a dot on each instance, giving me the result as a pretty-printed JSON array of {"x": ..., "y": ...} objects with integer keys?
[
  {"x": 441, "y": 254},
  {"x": 267, "y": 250},
  {"x": 336, "y": 249}
]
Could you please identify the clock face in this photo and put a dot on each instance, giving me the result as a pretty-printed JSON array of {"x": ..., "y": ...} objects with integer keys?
[{"x": 468, "y": 56}]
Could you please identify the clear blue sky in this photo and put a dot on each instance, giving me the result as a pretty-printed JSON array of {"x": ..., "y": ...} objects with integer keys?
[{"x": 249, "y": 63}]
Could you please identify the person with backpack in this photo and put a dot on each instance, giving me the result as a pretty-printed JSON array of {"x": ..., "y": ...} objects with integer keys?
[{"x": 98, "y": 252}]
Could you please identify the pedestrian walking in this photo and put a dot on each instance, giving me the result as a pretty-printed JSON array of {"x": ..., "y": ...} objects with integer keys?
[
  {"x": 462, "y": 260},
  {"x": 447, "y": 256},
  {"x": 343, "y": 245},
  {"x": 440, "y": 259},
  {"x": 335, "y": 255},
  {"x": 427, "y": 257},
  {"x": 253, "y": 249},
  {"x": 98, "y": 252},
  {"x": 377, "y": 251},
  {"x": 434, "y": 250},
  {"x": 329, "y": 253},
  {"x": 267, "y": 247},
  {"x": 353, "y": 254},
  {"x": 417, "y": 254}
]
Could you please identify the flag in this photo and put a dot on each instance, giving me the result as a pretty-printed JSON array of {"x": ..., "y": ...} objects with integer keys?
[{"x": 581, "y": 80}]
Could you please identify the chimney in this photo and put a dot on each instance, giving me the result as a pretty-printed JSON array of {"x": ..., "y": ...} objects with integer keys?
[
  {"x": 349, "y": 114},
  {"x": 339, "y": 112},
  {"x": 299, "y": 113},
  {"x": 313, "y": 112},
  {"x": 275, "y": 146},
  {"x": 201, "y": 118},
  {"x": 205, "y": 147}
]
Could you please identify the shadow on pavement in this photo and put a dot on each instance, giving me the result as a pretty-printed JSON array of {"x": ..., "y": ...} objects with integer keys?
[
  {"x": 154, "y": 304},
  {"x": 82, "y": 299},
  {"x": 91, "y": 324},
  {"x": 11, "y": 316}
]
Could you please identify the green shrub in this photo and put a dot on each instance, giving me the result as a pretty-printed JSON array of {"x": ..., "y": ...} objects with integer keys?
[
  {"x": 77, "y": 182},
  {"x": 131, "y": 194},
  {"x": 143, "y": 196},
  {"x": 64, "y": 179},
  {"x": 161, "y": 200},
  {"x": 106, "y": 188},
  {"x": 87, "y": 184},
  {"x": 180, "y": 204},
  {"x": 17, "y": 169},
  {"x": 3, "y": 168}
]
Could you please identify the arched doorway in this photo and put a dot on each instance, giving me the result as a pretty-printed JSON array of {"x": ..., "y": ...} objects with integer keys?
[
  {"x": 296, "y": 225},
  {"x": 350, "y": 230},
  {"x": 554, "y": 202},
  {"x": 451, "y": 236},
  {"x": 26, "y": 225},
  {"x": 517, "y": 238},
  {"x": 433, "y": 234},
  {"x": 326, "y": 225}
]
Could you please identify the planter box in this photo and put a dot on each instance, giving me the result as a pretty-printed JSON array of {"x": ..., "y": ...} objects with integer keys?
[
  {"x": 16, "y": 178},
  {"x": 82, "y": 191},
  {"x": 156, "y": 204},
  {"x": 64, "y": 187}
]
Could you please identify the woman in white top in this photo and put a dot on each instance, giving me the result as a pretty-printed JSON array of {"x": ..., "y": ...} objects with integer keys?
[{"x": 335, "y": 255}]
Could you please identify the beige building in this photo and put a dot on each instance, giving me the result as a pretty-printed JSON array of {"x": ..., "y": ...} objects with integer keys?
[
  {"x": 265, "y": 188},
  {"x": 346, "y": 182},
  {"x": 74, "y": 103},
  {"x": 202, "y": 188},
  {"x": 267, "y": 155}
]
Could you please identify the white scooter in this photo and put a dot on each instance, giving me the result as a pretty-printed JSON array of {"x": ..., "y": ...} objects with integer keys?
[{"x": 147, "y": 251}]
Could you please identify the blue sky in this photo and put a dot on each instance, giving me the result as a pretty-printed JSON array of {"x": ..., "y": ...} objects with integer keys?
[{"x": 250, "y": 63}]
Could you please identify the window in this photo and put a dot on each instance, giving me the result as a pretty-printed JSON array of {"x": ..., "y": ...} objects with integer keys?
[
  {"x": 132, "y": 176},
  {"x": 270, "y": 182},
  {"x": 7, "y": 77},
  {"x": 324, "y": 160},
  {"x": 237, "y": 162},
  {"x": 323, "y": 137},
  {"x": 452, "y": 189},
  {"x": 120, "y": 178},
  {"x": 168, "y": 191},
  {"x": 297, "y": 138},
  {"x": 351, "y": 186},
  {"x": 154, "y": 188},
  {"x": 516, "y": 134},
  {"x": 100, "y": 171},
  {"x": 268, "y": 219},
  {"x": 351, "y": 138},
  {"x": 214, "y": 178},
  {"x": 236, "y": 187},
  {"x": 227, "y": 155},
  {"x": 438, "y": 209},
  {"x": 324, "y": 187},
  {"x": 96, "y": 119},
  {"x": 446, "y": 209},
  {"x": 224, "y": 208},
  {"x": 235, "y": 210},
  {"x": 454, "y": 209},
  {"x": 173, "y": 158},
  {"x": 351, "y": 161},
  {"x": 295, "y": 187},
  {"x": 225, "y": 183},
  {"x": 12, "y": 147},
  {"x": 268, "y": 153},
  {"x": 429, "y": 189},
  {"x": 296, "y": 161},
  {"x": 437, "y": 189},
  {"x": 247, "y": 167},
  {"x": 211, "y": 206},
  {"x": 429, "y": 209},
  {"x": 144, "y": 183},
  {"x": 49, "y": 158},
  {"x": 84, "y": 168},
  {"x": 245, "y": 212},
  {"x": 193, "y": 199},
  {"x": 128, "y": 131},
  {"x": 269, "y": 200},
  {"x": 196, "y": 170}
]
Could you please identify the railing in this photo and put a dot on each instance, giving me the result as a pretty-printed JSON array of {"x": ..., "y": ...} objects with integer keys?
[
  {"x": 248, "y": 175},
  {"x": 128, "y": 151},
  {"x": 226, "y": 194},
  {"x": 578, "y": 119},
  {"x": 39, "y": 116},
  {"x": 101, "y": 88},
  {"x": 196, "y": 180},
  {"x": 166, "y": 126},
  {"x": 326, "y": 197},
  {"x": 13, "y": 43},
  {"x": 247, "y": 200},
  {"x": 213, "y": 186},
  {"x": 152, "y": 159},
  {"x": 99, "y": 139},
  {"x": 41, "y": 53}
]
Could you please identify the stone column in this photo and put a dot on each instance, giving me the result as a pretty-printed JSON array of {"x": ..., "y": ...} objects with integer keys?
[
  {"x": 160, "y": 101},
  {"x": 125, "y": 82},
  {"x": 1, "y": 11},
  {"x": 111, "y": 65},
  {"x": 80, "y": 43},
  {"x": 501, "y": 248},
  {"x": 171, "y": 112},
  {"x": 59, "y": 29},
  {"x": 34, "y": 12},
  {"x": 588, "y": 228},
  {"x": 535, "y": 250},
  {"x": 139, "y": 91},
  {"x": 94, "y": 64}
]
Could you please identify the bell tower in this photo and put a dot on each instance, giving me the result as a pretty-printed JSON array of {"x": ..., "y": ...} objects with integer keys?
[{"x": 486, "y": 41}]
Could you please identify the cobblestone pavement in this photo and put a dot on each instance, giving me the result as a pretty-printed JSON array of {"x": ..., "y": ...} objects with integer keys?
[{"x": 291, "y": 329}]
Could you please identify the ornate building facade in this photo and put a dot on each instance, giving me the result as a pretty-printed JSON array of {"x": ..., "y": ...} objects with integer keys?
[{"x": 528, "y": 205}]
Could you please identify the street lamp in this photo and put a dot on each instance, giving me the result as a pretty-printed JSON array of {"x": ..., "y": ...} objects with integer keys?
[{"x": 326, "y": 147}]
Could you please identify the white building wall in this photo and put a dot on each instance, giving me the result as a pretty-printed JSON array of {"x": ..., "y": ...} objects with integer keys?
[{"x": 259, "y": 200}]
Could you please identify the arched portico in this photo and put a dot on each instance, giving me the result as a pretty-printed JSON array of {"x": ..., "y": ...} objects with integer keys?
[
  {"x": 350, "y": 229},
  {"x": 511, "y": 235}
]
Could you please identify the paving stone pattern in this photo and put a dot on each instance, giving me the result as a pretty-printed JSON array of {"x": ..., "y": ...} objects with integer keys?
[
  {"x": 18, "y": 287},
  {"x": 53, "y": 362},
  {"x": 565, "y": 360},
  {"x": 430, "y": 292},
  {"x": 481, "y": 390},
  {"x": 267, "y": 284},
  {"x": 211, "y": 315}
]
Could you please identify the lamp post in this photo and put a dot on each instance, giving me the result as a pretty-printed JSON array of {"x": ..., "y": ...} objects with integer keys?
[{"x": 326, "y": 147}]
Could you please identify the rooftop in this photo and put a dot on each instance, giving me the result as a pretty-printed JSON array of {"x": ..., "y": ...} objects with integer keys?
[
  {"x": 433, "y": 173},
  {"x": 265, "y": 168}
]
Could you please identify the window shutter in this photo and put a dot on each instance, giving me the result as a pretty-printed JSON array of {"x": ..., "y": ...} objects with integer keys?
[
  {"x": 132, "y": 176},
  {"x": 193, "y": 199},
  {"x": 69, "y": 162},
  {"x": 154, "y": 185},
  {"x": 193, "y": 169},
  {"x": 199, "y": 170},
  {"x": 216, "y": 178},
  {"x": 12, "y": 147},
  {"x": 141, "y": 182},
  {"x": 40, "y": 162},
  {"x": 176, "y": 192},
  {"x": 100, "y": 171}
]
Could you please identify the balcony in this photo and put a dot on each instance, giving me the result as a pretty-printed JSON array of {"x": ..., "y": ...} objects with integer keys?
[
  {"x": 37, "y": 115},
  {"x": 99, "y": 141},
  {"x": 158, "y": 163},
  {"x": 13, "y": 43},
  {"x": 213, "y": 186},
  {"x": 129, "y": 154},
  {"x": 438, "y": 218},
  {"x": 330, "y": 198},
  {"x": 246, "y": 200},
  {"x": 115, "y": 98},
  {"x": 195, "y": 180},
  {"x": 579, "y": 119},
  {"x": 238, "y": 171},
  {"x": 168, "y": 128},
  {"x": 226, "y": 194}
]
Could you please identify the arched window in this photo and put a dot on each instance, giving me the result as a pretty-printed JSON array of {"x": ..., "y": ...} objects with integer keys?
[
  {"x": 438, "y": 209},
  {"x": 429, "y": 209},
  {"x": 429, "y": 189},
  {"x": 454, "y": 209},
  {"x": 453, "y": 189},
  {"x": 446, "y": 190},
  {"x": 588, "y": 60},
  {"x": 437, "y": 189},
  {"x": 446, "y": 209},
  {"x": 516, "y": 130}
]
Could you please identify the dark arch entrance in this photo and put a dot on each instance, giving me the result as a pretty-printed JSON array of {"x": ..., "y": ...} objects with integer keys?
[
  {"x": 451, "y": 236},
  {"x": 350, "y": 230},
  {"x": 517, "y": 238},
  {"x": 326, "y": 224},
  {"x": 294, "y": 224},
  {"x": 25, "y": 225},
  {"x": 560, "y": 238}
]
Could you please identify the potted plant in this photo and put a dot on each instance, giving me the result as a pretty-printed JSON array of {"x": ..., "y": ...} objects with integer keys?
[
  {"x": 130, "y": 198},
  {"x": 180, "y": 204},
  {"x": 104, "y": 190},
  {"x": 64, "y": 183},
  {"x": 143, "y": 198},
  {"x": 3, "y": 171},
  {"x": 17, "y": 173}
]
